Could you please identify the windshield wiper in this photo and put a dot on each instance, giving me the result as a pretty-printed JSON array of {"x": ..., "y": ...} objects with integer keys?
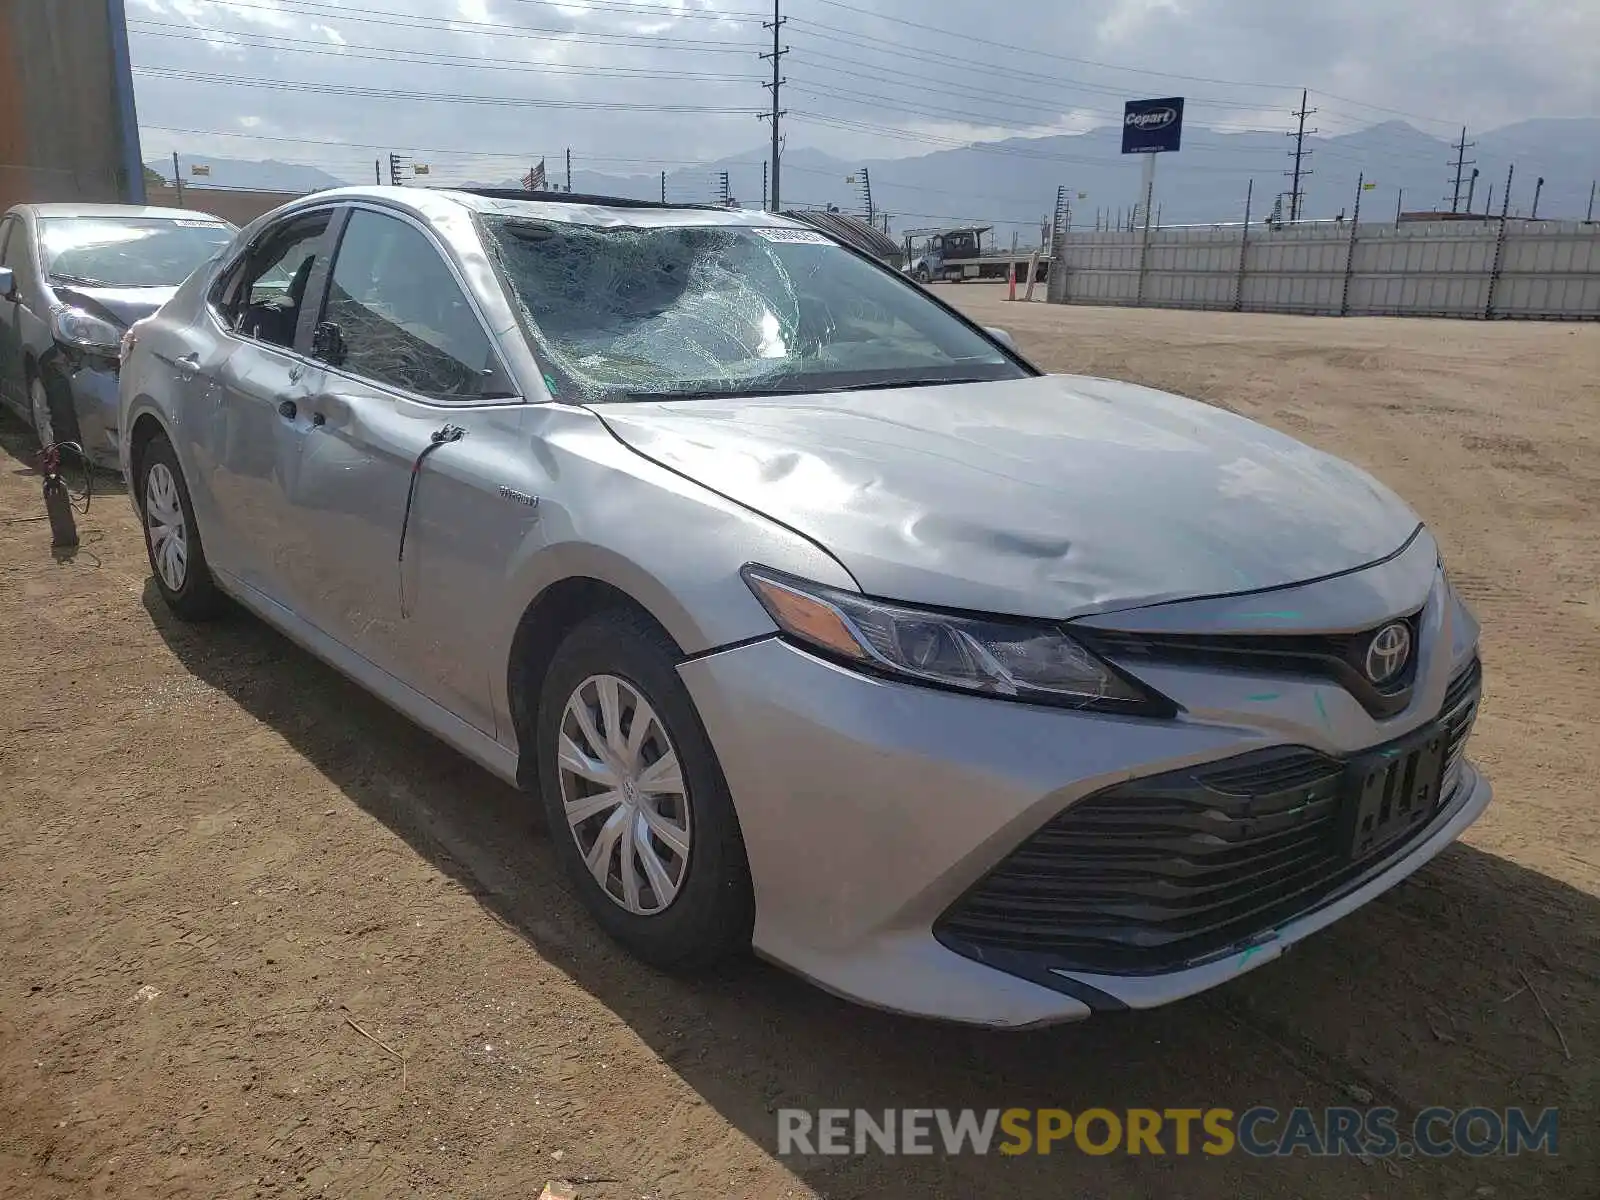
[{"x": 80, "y": 280}]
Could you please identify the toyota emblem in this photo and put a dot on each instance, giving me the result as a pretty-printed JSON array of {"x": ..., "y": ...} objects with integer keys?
[{"x": 1388, "y": 652}]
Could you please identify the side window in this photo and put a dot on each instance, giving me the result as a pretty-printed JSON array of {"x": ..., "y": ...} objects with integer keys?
[
  {"x": 398, "y": 316},
  {"x": 261, "y": 295}
]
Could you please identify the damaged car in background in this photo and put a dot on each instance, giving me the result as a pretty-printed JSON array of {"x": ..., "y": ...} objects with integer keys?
[
  {"x": 818, "y": 619},
  {"x": 73, "y": 278}
]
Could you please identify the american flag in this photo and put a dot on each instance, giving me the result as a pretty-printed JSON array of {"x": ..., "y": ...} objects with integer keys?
[{"x": 533, "y": 181}]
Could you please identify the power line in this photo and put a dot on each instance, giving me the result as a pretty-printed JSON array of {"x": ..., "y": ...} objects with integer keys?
[
  {"x": 888, "y": 76},
  {"x": 1016, "y": 49},
  {"x": 965, "y": 62},
  {"x": 312, "y": 8},
  {"x": 428, "y": 57},
  {"x": 453, "y": 98}
]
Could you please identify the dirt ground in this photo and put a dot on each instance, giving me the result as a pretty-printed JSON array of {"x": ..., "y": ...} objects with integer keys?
[{"x": 260, "y": 937}]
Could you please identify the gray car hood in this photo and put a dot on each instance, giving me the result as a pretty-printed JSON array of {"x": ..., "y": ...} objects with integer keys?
[
  {"x": 1054, "y": 496},
  {"x": 121, "y": 305}
]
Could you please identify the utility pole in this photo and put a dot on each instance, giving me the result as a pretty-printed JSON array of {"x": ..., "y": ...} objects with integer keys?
[
  {"x": 1537, "y": 188},
  {"x": 377, "y": 170},
  {"x": 724, "y": 190},
  {"x": 866, "y": 195},
  {"x": 1460, "y": 163},
  {"x": 1300, "y": 154},
  {"x": 177, "y": 178},
  {"x": 778, "y": 51},
  {"x": 1592, "y": 184},
  {"x": 764, "y": 207},
  {"x": 396, "y": 162},
  {"x": 569, "y": 168},
  {"x": 1472, "y": 186},
  {"x": 663, "y": 187}
]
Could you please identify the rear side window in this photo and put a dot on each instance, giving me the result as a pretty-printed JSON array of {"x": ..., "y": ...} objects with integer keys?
[{"x": 399, "y": 316}]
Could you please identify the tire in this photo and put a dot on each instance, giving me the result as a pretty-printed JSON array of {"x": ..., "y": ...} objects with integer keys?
[
  {"x": 709, "y": 915},
  {"x": 171, "y": 537},
  {"x": 50, "y": 408}
]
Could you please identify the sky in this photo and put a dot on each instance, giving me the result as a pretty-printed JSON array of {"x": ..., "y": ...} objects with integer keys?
[{"x": 481, "y": 89}]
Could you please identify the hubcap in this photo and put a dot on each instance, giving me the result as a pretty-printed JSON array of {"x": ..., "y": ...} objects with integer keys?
[
  {"x": 163, "y": 522},
  {"x": 40, "y": 402},
  {"x": 623, "y": 793}
]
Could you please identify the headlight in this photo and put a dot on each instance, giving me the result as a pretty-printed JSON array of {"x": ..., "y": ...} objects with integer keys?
[
  {"x": 1032, "y": 661},
  {"x": 78, "y": 328}
]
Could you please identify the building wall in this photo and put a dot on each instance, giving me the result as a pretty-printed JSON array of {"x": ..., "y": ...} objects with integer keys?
[
  {"x": 231, "y": 204},
  {"x": 67, "y": 126},
  {"x": 1533, "y": 269}
]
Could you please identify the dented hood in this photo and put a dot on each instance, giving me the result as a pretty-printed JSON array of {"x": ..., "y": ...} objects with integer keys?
[{"x": 1053, "y": 496}]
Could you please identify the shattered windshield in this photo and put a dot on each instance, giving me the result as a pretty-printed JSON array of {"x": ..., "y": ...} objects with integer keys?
[
  {"x": 700, "y": 311},
  {"x": 128, "y": 252}
]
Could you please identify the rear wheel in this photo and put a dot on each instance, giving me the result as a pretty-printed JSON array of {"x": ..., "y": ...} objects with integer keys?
[
  {"x": 638, "y": 810},
  {"x": 177, "y": 559}
]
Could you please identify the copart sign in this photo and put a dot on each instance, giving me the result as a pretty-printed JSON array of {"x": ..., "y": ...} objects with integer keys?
[{"x": 1152, "y": 126}]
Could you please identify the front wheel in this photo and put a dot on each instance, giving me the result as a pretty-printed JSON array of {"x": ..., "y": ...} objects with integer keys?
[
  {"x": 638, "y": 810},
  {"x": 177, "y": 559}
]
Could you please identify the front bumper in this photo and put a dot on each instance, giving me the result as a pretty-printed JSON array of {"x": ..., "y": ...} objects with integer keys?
[
  {"x": 93, "y": 384},
  {"x": 869, "y": 807}
]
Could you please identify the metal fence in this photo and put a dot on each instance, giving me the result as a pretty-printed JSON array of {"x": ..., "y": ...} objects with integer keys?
[{"x": 1489, "y": 269}]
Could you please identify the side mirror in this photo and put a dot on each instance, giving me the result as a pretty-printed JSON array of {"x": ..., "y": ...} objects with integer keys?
[
  {"x": 8, "y": 284},
  {"x": 1001, "y": 336}
]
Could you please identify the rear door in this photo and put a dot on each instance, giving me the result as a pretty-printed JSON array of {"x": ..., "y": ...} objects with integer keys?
[
  {"x": 404, "y": 356},
  {"x": 245, "y": 384}
]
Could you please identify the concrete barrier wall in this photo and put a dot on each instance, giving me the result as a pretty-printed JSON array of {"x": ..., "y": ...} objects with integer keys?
[
  {"x": 231, "y": 204},
  {"x": 1527, "y": 269}
]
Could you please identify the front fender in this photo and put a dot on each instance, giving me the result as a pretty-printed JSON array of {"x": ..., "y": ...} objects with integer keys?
[{"x": 605, "y": 512}]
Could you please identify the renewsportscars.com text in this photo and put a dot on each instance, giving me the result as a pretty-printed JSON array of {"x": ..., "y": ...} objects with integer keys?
[{"x": 1260, "y": 1131}]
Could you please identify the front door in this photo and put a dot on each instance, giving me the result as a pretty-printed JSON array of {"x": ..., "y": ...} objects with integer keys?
[
  {"x": 249, "y": 405},
  {"x": 403, "y": 357}
]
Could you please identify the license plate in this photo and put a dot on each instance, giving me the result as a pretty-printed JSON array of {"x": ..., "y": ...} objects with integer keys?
[{"x": 1393, "y": 791}]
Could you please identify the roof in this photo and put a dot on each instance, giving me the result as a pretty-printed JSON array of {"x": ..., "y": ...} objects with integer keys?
[
  {"x": 852, "y": 231},
  {"x": 117, "y": 210},
  {"x": 571, "y": 207}
]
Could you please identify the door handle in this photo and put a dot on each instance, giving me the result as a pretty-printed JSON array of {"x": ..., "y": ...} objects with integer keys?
[
  {"x": 287, "y": 410},
  {"x": 187, "y": 366}
]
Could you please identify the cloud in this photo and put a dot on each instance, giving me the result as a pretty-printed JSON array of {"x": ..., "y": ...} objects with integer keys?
[{"x": 636, "y": 85}]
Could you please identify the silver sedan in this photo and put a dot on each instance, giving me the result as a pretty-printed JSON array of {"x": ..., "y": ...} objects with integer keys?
[{"x": 818, "y": 618}]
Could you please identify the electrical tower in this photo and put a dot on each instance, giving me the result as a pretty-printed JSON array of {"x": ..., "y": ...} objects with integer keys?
[
  {"x": 778, "y": 51},
  {"x": 397, "y": 163},
  {"x": 724, "y": 190},
  {"x": 1460, "y": 163},
  {"x": 866, "y": 195},
  {"x": 1299, "y": 154}
]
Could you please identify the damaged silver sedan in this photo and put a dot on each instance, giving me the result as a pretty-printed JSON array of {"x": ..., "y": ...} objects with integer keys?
[{"x": 818, "y": 619}]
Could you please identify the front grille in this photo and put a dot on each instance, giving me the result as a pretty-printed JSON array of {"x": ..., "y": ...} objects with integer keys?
[
  {"x": 1336, "y": 656},
  {"x": 1164, "y": 871}
]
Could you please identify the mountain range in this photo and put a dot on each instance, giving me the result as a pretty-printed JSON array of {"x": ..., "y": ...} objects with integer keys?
[{"x": 1012, "y": 184}]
